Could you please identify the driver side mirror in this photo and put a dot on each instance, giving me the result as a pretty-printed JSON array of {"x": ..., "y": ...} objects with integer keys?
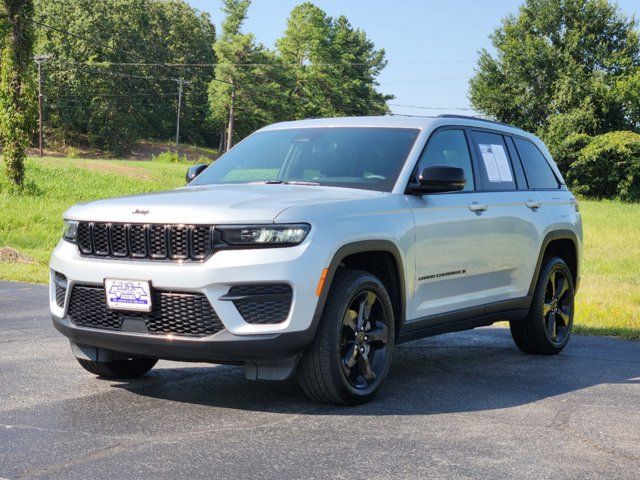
[
  {"x": 439, "y": 179},
  {"x": 194, "y": 171}
]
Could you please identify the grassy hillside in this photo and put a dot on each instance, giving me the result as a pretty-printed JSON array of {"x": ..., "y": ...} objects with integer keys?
[
  {"x": 32, "y": 223},
  {"x": 608, "y": 301}
]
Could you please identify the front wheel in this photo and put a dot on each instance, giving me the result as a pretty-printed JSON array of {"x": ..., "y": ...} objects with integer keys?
[
  {"x": 118, "y": 369},
  {"x": 352, "y": 351},
  {"x": 547, "y": 328}
]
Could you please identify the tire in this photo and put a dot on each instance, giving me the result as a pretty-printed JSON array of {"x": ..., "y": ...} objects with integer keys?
[
  {"x": 119, "y": 369},
  {"x": 547, "y": 328},
  {"x": 352, "y": 351}
]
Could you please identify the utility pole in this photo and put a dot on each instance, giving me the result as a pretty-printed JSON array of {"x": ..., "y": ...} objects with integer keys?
[
  {"x": 40, "y": 59},
  {"x": 180, "y": 82},
  {"x": 232, "y": 117}
]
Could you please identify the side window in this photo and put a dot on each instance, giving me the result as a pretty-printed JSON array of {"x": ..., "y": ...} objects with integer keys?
[
  {"x": 495, "y": 167},
  {"x": 521, "y": 179},
  {"x": 449, "y": 147},
  {"x": 538, "y": 169}
]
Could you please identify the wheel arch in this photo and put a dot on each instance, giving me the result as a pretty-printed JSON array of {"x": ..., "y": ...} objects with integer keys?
[
  {"x": 348, "y": 255},
  {"x": 564, "y": 244}
]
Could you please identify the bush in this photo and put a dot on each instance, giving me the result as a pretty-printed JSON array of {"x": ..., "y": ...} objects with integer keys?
[
  {"x": 566, "y": 152},
  {"x": 608, "y": 167},
  {"x": 204, "y": 160},
  {"x": 169, "y": 157}
]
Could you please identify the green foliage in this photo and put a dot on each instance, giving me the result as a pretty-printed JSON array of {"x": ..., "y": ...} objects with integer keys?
[
  {"x": 608, "y": 167},
  {"x": 562, "y": 66},
  {"x": 567, "y": 150},
  {"x": 16, "y": 88},
  {"x": 246, "y": 67},
  {"x": 108, "y": 106},
  {"x": 333, "y": 66},
  {"x": 321, "y": 67},
  {"x": 169, "y": 157}
]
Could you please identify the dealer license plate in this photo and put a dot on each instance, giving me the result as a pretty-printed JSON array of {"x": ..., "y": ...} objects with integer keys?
[{"x": 130, "y": 295}]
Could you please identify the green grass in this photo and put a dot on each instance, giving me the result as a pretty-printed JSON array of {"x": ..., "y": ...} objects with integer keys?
[
  {"x": 31, "y": 222},
  {"x": 608, "y": 302}
]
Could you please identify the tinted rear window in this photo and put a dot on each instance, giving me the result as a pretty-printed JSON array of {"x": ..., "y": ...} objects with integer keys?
[
  {"x": 539, "y": 172},
  {"x": 495, "y": 165}
]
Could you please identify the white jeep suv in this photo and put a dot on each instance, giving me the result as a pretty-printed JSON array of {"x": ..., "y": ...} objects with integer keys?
[{"x": 313, "y": 248}]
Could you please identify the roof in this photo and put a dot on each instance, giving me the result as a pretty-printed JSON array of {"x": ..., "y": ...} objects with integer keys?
[{"x": 391, "y": 121}]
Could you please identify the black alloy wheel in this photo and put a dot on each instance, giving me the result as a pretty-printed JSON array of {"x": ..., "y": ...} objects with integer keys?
[
  {"x": 546, "y": 329},
  {"x": 557, "y": 308},
  {"x": 363, "y": 345}
]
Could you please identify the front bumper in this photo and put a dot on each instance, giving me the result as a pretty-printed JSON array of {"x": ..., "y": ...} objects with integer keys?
[
  {"x": 300, "y": 267},
  {"x": 223, "y": 347}
]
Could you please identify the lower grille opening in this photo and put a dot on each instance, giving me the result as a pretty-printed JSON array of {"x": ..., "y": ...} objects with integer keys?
[
  {"x": 174, "y": 313},
  {"x": 262, "y": 304},
  {"x": 60, "y": 283}
]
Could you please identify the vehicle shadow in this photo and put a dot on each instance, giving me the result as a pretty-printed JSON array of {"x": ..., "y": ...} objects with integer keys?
[{"x": 473, "y": 371}]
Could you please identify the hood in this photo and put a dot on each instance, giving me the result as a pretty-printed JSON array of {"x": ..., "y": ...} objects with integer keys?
[{"x": 213, "y": 204}]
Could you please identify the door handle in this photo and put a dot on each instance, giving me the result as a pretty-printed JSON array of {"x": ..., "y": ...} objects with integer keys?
[
  {"x": 533, "y": 205},
  {"x": 478, "y": 207}
]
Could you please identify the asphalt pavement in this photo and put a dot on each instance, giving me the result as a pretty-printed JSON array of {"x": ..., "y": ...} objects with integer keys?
[{"x": 466, "y": 405}]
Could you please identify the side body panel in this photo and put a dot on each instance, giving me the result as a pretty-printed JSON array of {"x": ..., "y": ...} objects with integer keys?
[
  {"x": 452, "y": 250},
  {"x": 516, "y": 239}
]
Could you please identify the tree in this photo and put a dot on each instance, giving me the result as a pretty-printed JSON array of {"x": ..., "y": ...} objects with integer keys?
[
  {"x": 333, "y": 66},
  {"x": 322, "y": 67},
  {"x": 248, "y": 77},
  {"x": 16, "y": 92},
  {"x": 96, "y": 97},
  {"x": 559, "y": 67}
]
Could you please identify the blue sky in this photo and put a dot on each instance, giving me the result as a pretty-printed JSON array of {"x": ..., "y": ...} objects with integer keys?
[{"x": 431, "y": 45}]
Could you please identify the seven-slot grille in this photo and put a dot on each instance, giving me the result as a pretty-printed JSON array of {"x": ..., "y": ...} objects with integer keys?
[
  {"x": 155, "y": 242},
  {"x": 187, "y": 314}
]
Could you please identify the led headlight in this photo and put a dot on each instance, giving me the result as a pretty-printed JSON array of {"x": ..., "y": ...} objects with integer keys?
[
  {"x": 69, "y": 230},
  {"x": 265, "y": 235}
]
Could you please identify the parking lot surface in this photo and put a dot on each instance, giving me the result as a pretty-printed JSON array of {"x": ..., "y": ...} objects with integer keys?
[{"x": 466, "y": 405}]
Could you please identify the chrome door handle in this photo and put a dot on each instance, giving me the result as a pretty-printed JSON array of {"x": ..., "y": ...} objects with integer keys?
[
  {"x": 478, "y": 207},
  {"x": 533, "y": 205}
]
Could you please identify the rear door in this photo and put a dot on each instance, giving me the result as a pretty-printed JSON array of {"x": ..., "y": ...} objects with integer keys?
[
  {"x": 453, "y": 232},
  {"x": 518, "y": 217}
]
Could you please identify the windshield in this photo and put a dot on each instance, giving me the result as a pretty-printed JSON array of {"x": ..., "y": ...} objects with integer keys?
[{"x": 367, "y": 158}]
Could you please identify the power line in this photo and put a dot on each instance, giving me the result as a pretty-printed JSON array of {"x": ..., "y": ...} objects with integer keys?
[
  {"x": 420, "y": 107},
  {"x": 425, "y": 80},
  {"x": 91, "y": 95},
  {"x": 215, "y": 64},
  {"x": 59, "y": 30}
]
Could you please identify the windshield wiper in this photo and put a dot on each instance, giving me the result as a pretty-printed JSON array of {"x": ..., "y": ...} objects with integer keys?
[{"x": 289, "y": 182}]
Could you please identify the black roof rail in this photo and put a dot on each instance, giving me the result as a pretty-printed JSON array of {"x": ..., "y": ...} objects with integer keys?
[{"x": 480, "y": 119}]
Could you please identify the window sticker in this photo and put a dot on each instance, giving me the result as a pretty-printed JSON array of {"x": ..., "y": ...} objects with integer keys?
[{"x": 496, "y": 163}]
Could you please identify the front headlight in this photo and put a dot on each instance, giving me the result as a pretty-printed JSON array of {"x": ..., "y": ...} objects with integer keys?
[
  {"x": 265, "y": 235},
  {"x": 69, "y": 230}
]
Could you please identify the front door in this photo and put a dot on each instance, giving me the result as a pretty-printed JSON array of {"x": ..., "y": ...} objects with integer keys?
[{"x": 453, "y": 232}]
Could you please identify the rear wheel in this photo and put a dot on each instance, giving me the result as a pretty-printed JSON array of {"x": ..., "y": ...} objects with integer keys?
[
  {"x": 126, "y": 368},
  {"x": 547, "y": 328},
  {"x": 351, "y": 354}
]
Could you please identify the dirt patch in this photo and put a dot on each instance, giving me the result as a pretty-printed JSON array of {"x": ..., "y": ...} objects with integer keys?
[
  {"x": 142, "y": 150},
  {"x": 145, "y": 149},
  {"x": 103, "y": 166},
  {"x": 128, "y": 170},
  {"x": 11, "y": 255}
]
